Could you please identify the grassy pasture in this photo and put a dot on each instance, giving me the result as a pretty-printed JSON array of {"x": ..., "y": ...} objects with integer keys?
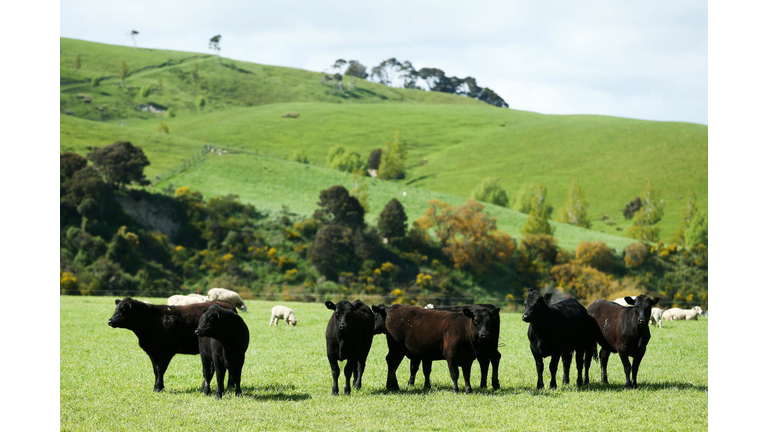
[{"x": 106, "y": 383}]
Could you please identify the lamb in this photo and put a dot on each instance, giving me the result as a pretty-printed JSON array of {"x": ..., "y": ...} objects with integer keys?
[
  {"x": 675, "y": 314},
  {"x": 227, "y": 295},
  {"x": 282, "y": 312}
]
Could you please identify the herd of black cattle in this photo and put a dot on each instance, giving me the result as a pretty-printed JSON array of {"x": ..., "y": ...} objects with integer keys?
[{"x": 457, "y": 334}]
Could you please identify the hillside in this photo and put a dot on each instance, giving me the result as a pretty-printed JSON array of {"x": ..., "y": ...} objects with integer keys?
[{"x": 453, "y": 142}]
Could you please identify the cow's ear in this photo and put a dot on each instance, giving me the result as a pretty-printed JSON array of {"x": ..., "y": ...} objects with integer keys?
[
  {"x": 357, "y": 305},
  {"x": 547, "y": 297},
  {"x": 468, "y": 312},
  {"x": 655, "y": 301},
  {"x": 629, "y": 300},
  {"x": 330, "y": 305},
  {"x": 495, "y": 311},
  {"x": 117, "y": 302},
  {"x": 376, "y": 309}
]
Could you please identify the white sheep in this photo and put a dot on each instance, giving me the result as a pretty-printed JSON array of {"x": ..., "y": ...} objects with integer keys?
[
  {"x": 675, "y": 314},
  {"x": 656, "y": 316},
  {"x": 202, "y": 298},
  {"x": 623, "y": 302},
  {"x": 429, "y": 306},
  {"x": 282, "y": 312},
  {"x": 227, "y": 295},
  {"x": 182, "y": 300}
]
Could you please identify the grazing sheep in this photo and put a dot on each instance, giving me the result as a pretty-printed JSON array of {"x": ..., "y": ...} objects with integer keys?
[
  {"x": 675, "y": 314},
  {"x": 182, "y": 300},
  {"x": 656, "y": 316},
  {"x": 429, "y": 306},
  {"x": 227, "y": 295},
  {"x": 282, "y": 312},
  {"x": 198, "y": 296}
]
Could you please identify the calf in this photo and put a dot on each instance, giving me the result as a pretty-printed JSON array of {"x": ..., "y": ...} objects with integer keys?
[
  {"x": 429, "y": 335},
  {"x": 626, "y": 330},
  {"x": 282, "y": 312},
  {"x": 348, "y": 336},
  {"x": 487, "y": 351},
  {"x": 163, "y": 331},
  {"x": 223, "y": 339},
  {"x": 558, "y": 330}
]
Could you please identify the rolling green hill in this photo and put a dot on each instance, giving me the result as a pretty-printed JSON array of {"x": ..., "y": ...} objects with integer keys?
[{"x": 453, "y": 142}]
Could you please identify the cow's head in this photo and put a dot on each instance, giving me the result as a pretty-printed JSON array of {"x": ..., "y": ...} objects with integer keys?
[
  {"x": 209, "y": 322},
  {"x": 481, "y": 321},
  {"x": 127, "y": 314},
  {"x": 379, "y": 318},
  {"x": 344, "y": 313},
  {"x": 535, "y": 305},
  {"x": 643, "y": 305}
]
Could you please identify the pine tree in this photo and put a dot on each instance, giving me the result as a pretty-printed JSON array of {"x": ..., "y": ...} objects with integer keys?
[
  {"x": 575, "y": 210},
  {"x": 393, "y": 220},
  {"x": 650, "y": 213}
]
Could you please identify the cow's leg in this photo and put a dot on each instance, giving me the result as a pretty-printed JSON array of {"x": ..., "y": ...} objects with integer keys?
[
  {"x": 358, "y": 382},
  {"x": 207, "y": 375},
  {"x": 579, "y": 366},
  {"x": 553, "y": 371},
  {"x": 604, "y": 354},
  {"x": 335, "y": 372},
  {"x": 414, "y": 369},
  {"x": 160, "y": 364},
  {"x": 394, "y": 358},
  {"x": 221, "y": 370},
  {"x": 484, "y": 362},
  {"x": 635, "y": 368},
  {"x": 427, "y": 368},
  {"x": 567, "y": 358},
  {"x": 466, "y": 370},
  {"x": 587, "y": 362},
  {"x": 627, "y": 370},
  {"x": 348, "y": 370},
  {"x": 235, "y": 374},
  {"x": 453, "y": 368},
  {"x": 495, "y": 358},
  {"x": 539, "y": 371}
]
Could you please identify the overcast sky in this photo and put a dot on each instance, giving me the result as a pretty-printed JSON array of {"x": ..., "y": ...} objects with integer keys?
[{"x": 639, "y": 59}]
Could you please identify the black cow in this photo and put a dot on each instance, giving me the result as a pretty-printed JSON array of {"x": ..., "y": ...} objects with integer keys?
[
  {"x": 626, "y": 330},
  {"x": 163, "y": 331},
  {"x": 487, "y": 351},
  {"x": 223, "y": 339},
  {"x": 558, "y": 330},
  {"x": 429, "y": 335},
  {"x": 348, "y": 336}
]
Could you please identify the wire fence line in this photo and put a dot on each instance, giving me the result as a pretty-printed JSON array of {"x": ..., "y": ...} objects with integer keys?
[{"x": 305, "y": 297}]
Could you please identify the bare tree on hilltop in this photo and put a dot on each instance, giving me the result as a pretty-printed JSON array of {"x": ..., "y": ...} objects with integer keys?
[{"x": 214, "y": 45}]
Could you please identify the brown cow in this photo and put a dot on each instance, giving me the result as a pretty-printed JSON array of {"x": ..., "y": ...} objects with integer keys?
[
  {"x": 429, "y": 335},
  {"x": 626, "y": 330}
]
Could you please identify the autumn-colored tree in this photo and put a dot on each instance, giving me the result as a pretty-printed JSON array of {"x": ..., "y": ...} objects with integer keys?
[
  {"x": 651, "y": 212},
  {"x": 596, "y": 255},
  {"x": 468, "y": 235},
  {"x": 490, "y": 191},
  {"x": 538, "y": 217},
  {"x": 584, "y": 282},
  {"x": 634, "y": 255},
  {"x": 575, "y": 210}
]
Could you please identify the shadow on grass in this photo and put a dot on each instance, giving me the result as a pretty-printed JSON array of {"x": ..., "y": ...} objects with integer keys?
[
  {"x": 410, "y": 182},
  {"x": 268, "y": 393},
  {"x": 436, "y": 388}
]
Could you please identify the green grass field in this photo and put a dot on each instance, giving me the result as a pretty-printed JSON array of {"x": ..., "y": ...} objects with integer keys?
[
  {"x": 106, "y": 383},
  {"x": 463, "y": 140}
]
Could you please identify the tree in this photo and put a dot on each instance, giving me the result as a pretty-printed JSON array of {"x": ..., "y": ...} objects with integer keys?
[
  {"x": 489, "y": 190},
  {"x": 338, "y": 207},
  {"x": 650, "y": 213},
  {"x": 70, "y": 163},
  {"x": 523, "y": 198},
  {"x": 689, "y": 212},
  {"x": 698, "y": 231},
  {"x": 393, "y": 220},
  {"x": 78, "y": 62},
  {"x": 133, "y": 34},
  {"x": 632, "y": 207},
  {"x": 214, "y": 45},
  {"x": 374, "y": 159},
  {"x": 393, "y": 159},
  {"x": 332, "y": 251},
  {"x": 338, "y": 64},
  {"x": 360, "y": 189},
  {"x": 538, "y": 217},
  {"x": 575, "y": 210},
  {"x": 356, "y": 69},
  {"x": 120, "y": 163},
  {"x": 123, "y": 72},
  {"x": 468, "y": 235},
  {"x": 597, "y": 255}
]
